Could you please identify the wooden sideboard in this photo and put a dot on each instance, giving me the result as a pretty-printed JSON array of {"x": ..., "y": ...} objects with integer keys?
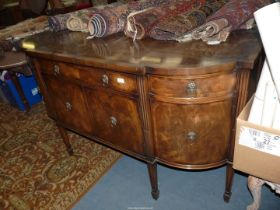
[{"x": 160, "y": 102}]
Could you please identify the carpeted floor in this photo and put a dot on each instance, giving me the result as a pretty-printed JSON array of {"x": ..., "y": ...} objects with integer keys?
[
  {"x": 35, "y": 170},
  {"x": 126, "y": 187}
]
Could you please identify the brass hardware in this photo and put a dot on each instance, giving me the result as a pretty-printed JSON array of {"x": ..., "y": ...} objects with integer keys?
[
  {"x": 191, "y": 136},
  {"x": 105, "y": 79},
  {"x": 68, "y": 106},
  {"x": 191, "y": 87},
  {"x": 56, "y": 69},
  {"x": 113, "y": 121}
]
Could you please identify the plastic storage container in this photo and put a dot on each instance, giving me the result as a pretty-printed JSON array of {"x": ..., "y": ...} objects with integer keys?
[
  {"x": 15, "y": 95},
  {"x": 30, "y": 91}
]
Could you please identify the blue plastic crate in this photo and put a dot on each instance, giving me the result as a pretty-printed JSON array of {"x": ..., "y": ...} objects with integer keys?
[
  {"x": 14, "y": 97},
  {"x": 30, "y": 89}
]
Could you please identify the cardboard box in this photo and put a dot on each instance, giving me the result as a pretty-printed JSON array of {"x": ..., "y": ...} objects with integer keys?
[{"x": 257, "y": 148}]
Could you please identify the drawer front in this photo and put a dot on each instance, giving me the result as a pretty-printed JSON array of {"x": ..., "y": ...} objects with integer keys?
[
  {"x": 203, "y": 86},
  {"x": 116, "y": 120},
  {"x": 59, "y": 69},
  {"x": 117, "y": 81},
  {"x": 192, "y": 134},
  {"x": 69, "y": 103}
]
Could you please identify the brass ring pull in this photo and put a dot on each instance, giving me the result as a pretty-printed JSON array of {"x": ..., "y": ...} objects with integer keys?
[
  {"x": 56, "y": 69},
  {"x": 191, "y": 87},
  {"x": 105, "y": 80},
  {"x": 68, "y": 106},
  {"x": 114, "y": 121},
  {"x": 191, "y": 136}
]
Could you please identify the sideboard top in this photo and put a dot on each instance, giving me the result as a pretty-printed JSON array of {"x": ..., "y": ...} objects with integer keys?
[{"x": 120, "y": 52}]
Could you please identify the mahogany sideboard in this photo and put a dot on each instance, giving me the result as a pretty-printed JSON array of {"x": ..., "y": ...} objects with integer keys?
[{"x": 157, "y": 101}]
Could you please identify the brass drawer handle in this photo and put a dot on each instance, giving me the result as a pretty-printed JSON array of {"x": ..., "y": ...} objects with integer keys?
[
  {"x": 105, "y": 80},
  {"x": 114, "y": 121},
  {"x": 191, "y": 136},
  {"x": 191, "y": 87},
  {"x": 68, "y": 106},
  {"x": 56, "y": 69}
]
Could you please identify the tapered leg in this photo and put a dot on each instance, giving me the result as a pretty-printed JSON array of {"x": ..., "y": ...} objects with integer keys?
[
  {"x": 229, "y": 180},
  {"x": 152, "y": 168},
  {"x": 65, "y": 138},
  {"x": 255, "y": 186}
]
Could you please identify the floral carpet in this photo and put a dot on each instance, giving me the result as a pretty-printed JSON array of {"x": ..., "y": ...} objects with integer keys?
[{"x": 36, "y": 172}]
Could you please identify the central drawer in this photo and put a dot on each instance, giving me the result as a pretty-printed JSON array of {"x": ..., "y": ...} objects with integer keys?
[{"x": 109, "y": 79}]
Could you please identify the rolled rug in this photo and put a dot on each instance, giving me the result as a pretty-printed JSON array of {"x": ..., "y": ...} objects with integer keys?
[
  {"x": 214, "y": 32},
  {"x": 58, "y": 22},
  {"x": 78, "y": 21},
  {"x": 141, "y": 22},
  {"x": 113, "y": 20},
  {"x": 176, "y": 26},
  {"x": 29, "y": 25},
  {"x": 99, "y": 2},
  {"x": 108, "y": 21},
  {"x": 6, "y": 45},
  {"x": 145, "y": 4},
  {"x": 210, "y": 32},
  {"x": 25, "y": 25},
  {"x": 236, "y": 14}
]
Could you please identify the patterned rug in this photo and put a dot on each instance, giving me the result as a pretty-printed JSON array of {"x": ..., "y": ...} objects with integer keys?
[{"x": 35, "y": 170}]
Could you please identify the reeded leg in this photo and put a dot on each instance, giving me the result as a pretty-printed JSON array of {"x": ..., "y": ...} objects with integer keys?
[
  {"x": 152, "y": 168},
  {"x": 65, "y": 138},
  {"x": 255, "y": 186},
  {"x": 229, "y": 180}
]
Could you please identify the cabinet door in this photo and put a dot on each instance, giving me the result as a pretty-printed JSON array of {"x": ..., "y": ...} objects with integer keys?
[
  {"x": 192, "y": 134},
  {"x": 69, "y": 103},
  {"x": 116, "y": 119}
]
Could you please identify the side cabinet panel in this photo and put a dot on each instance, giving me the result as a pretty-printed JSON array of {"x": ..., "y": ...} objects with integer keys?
[{"x": 192, "y": 134}]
